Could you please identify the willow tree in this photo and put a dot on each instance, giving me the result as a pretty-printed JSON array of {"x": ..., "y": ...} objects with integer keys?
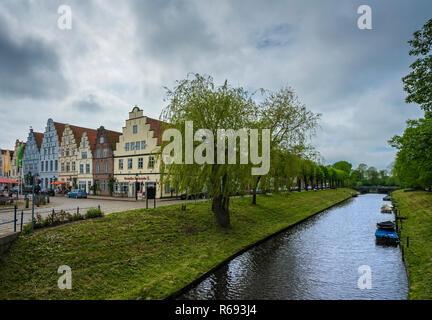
[
  {"x": 211, "y": 108},
  {"x": 289, "y": 121}
]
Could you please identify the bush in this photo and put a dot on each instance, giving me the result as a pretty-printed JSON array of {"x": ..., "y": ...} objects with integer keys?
[
  {"x": 27, "y": 229},
  {"x": 60, "y": 217},
  {"x": 93, "y": 213},
  {"x": 76, "y": 217}
]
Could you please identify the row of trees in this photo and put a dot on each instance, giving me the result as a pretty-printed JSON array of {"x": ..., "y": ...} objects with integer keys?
[
  {"x": 214, "y": 107},
  {"x": 413, "y": 165},
  {"x": 366, "y": 176}
]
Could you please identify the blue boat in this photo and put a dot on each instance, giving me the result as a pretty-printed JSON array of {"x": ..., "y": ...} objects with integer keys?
[{"x": 387, "y": 237}]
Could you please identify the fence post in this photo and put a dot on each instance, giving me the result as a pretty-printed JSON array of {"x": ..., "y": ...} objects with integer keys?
[
  {"x": 77, "y": 210},
  {"x": 22, "y": 218},
  {"x": 15, "y": 218},
  {"x": 99, "y": 206}
]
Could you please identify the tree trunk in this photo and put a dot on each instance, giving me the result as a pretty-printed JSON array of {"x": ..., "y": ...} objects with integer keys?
[
  {"x": 255, "y": 189},
  {"x": 220, "y": 208}
]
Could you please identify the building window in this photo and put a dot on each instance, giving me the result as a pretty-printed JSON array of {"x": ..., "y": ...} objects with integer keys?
[
  {"x": 143, "y": 145},
  {"x": 127, "y": 146},
  {"x": 67, "y": 166},
  {"x": 51, "y": 165},
  {"x": 84, "y": 155},
  {"x": 102, "y": 185},
  {"x": 81, "y": 168},
  {"x": 67, "y": 152},
  {"x": 98, "y": 153},
  {"x": 167, "y": 187},
  {"x": 62, "y": 152},
  {"x": 87, "y": 168},
  {"x": 73, "y": 151},
  {"x": 120, "y": 164},
  {"x": 135, "y": 129},
  {"x": 69, "y": 140},
  {"x": 62, "y": 167},
  {"x": 151, "y": 162},
  {"x": 140, "y": 163},
  {"x": 132, "y": 146},
  {"x": 56, "y": 165},
  {"x": 46, "y": 165},
  {"x": 105, "y": 153},
  {"x": 130, "y": 163},
  {"x": 73, "y": 165},
  {"x": 101, "y": 140},
  {"x": 106, "y": 167},
  {"x": 97, "y": 168},
  {"x": 137, "y": 144}
]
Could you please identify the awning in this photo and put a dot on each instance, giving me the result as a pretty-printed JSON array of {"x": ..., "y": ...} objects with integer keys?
[
  {"x": 4, "y": 180},
  {"x": 58, "y": 182}
]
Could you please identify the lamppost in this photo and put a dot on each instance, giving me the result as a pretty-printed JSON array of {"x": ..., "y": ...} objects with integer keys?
[
  {"x": 136, "y": 189},
  {"x": 33, "y": 197}
]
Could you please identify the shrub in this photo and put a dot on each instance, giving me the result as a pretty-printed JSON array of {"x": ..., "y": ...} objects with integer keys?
[
  {"x": 93, "y": 213},
  {"x": 27, "y": 229},
  {"x": 76, "y": 217}
]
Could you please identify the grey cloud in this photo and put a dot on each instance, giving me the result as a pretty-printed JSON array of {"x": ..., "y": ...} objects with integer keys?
[
  {"x": 29, "y": 67},
  {"x": 126, "y": 52},
  {"x": 172, "y": 27},
  {"x": 89, "y": 104}
]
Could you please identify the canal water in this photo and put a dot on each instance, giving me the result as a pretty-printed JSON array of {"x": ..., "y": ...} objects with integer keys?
[{"x": 318, "y": 259}]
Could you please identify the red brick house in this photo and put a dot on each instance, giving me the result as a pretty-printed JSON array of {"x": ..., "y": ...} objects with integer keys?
[{"x": 103, "y": 159}]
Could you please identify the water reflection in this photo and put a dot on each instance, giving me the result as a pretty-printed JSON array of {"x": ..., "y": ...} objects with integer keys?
[{"x": 318, "y": 259}]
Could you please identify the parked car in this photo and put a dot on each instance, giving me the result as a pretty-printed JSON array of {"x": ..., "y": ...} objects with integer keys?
[
  {"x": 77, "y": 193},
  {"x": 193, "y": 196}
]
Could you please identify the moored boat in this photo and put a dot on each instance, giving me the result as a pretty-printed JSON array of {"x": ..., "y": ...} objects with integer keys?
[
  {"x": 387, "y": 198},
  {"x": 386, "y": 225},
  {"x": 386, "y": 237},
  {"x": 386, "y": 209}
]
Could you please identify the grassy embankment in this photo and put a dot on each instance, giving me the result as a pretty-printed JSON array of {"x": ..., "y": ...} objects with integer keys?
[
  {"x": 417, "y": 206},
  {"x": 146, "y": 253}
]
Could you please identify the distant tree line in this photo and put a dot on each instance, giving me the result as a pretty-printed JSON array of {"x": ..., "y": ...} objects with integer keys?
[{"x": 365, "y": 176}]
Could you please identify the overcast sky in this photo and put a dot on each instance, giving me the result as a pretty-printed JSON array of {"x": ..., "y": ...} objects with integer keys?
[{"x": 122, "y": 53}]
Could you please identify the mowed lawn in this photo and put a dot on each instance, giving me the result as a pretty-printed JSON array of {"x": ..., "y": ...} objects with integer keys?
[
  {"x": 417, "y": 206},
  {"x": 146, "y": 254}
]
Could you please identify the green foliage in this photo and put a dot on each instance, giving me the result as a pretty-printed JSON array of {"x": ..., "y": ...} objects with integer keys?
[
  {"x": 94, "y": 213},
  {"x": 413, "y": 166},
  {"x": 212, "y": 107},
  {"x": 418, "y": 84},
  {"x": 27, "y": 229},
  {"x": 344, "y": 166}
]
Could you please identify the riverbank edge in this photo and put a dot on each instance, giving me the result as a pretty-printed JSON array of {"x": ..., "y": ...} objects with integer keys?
[
  {"x": 401, "y": 246},
  {"x": 196, "y": 281}
]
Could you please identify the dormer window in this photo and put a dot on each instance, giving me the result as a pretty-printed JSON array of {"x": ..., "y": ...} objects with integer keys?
[
  {"x": 101, "y": 140},
  {"x": 135, "y": 129}
]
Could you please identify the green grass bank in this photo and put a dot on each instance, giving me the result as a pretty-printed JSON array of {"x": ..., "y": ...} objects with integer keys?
[
  {"x": 146, "y": 254},
  {"x": 417, "y": 206}
]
